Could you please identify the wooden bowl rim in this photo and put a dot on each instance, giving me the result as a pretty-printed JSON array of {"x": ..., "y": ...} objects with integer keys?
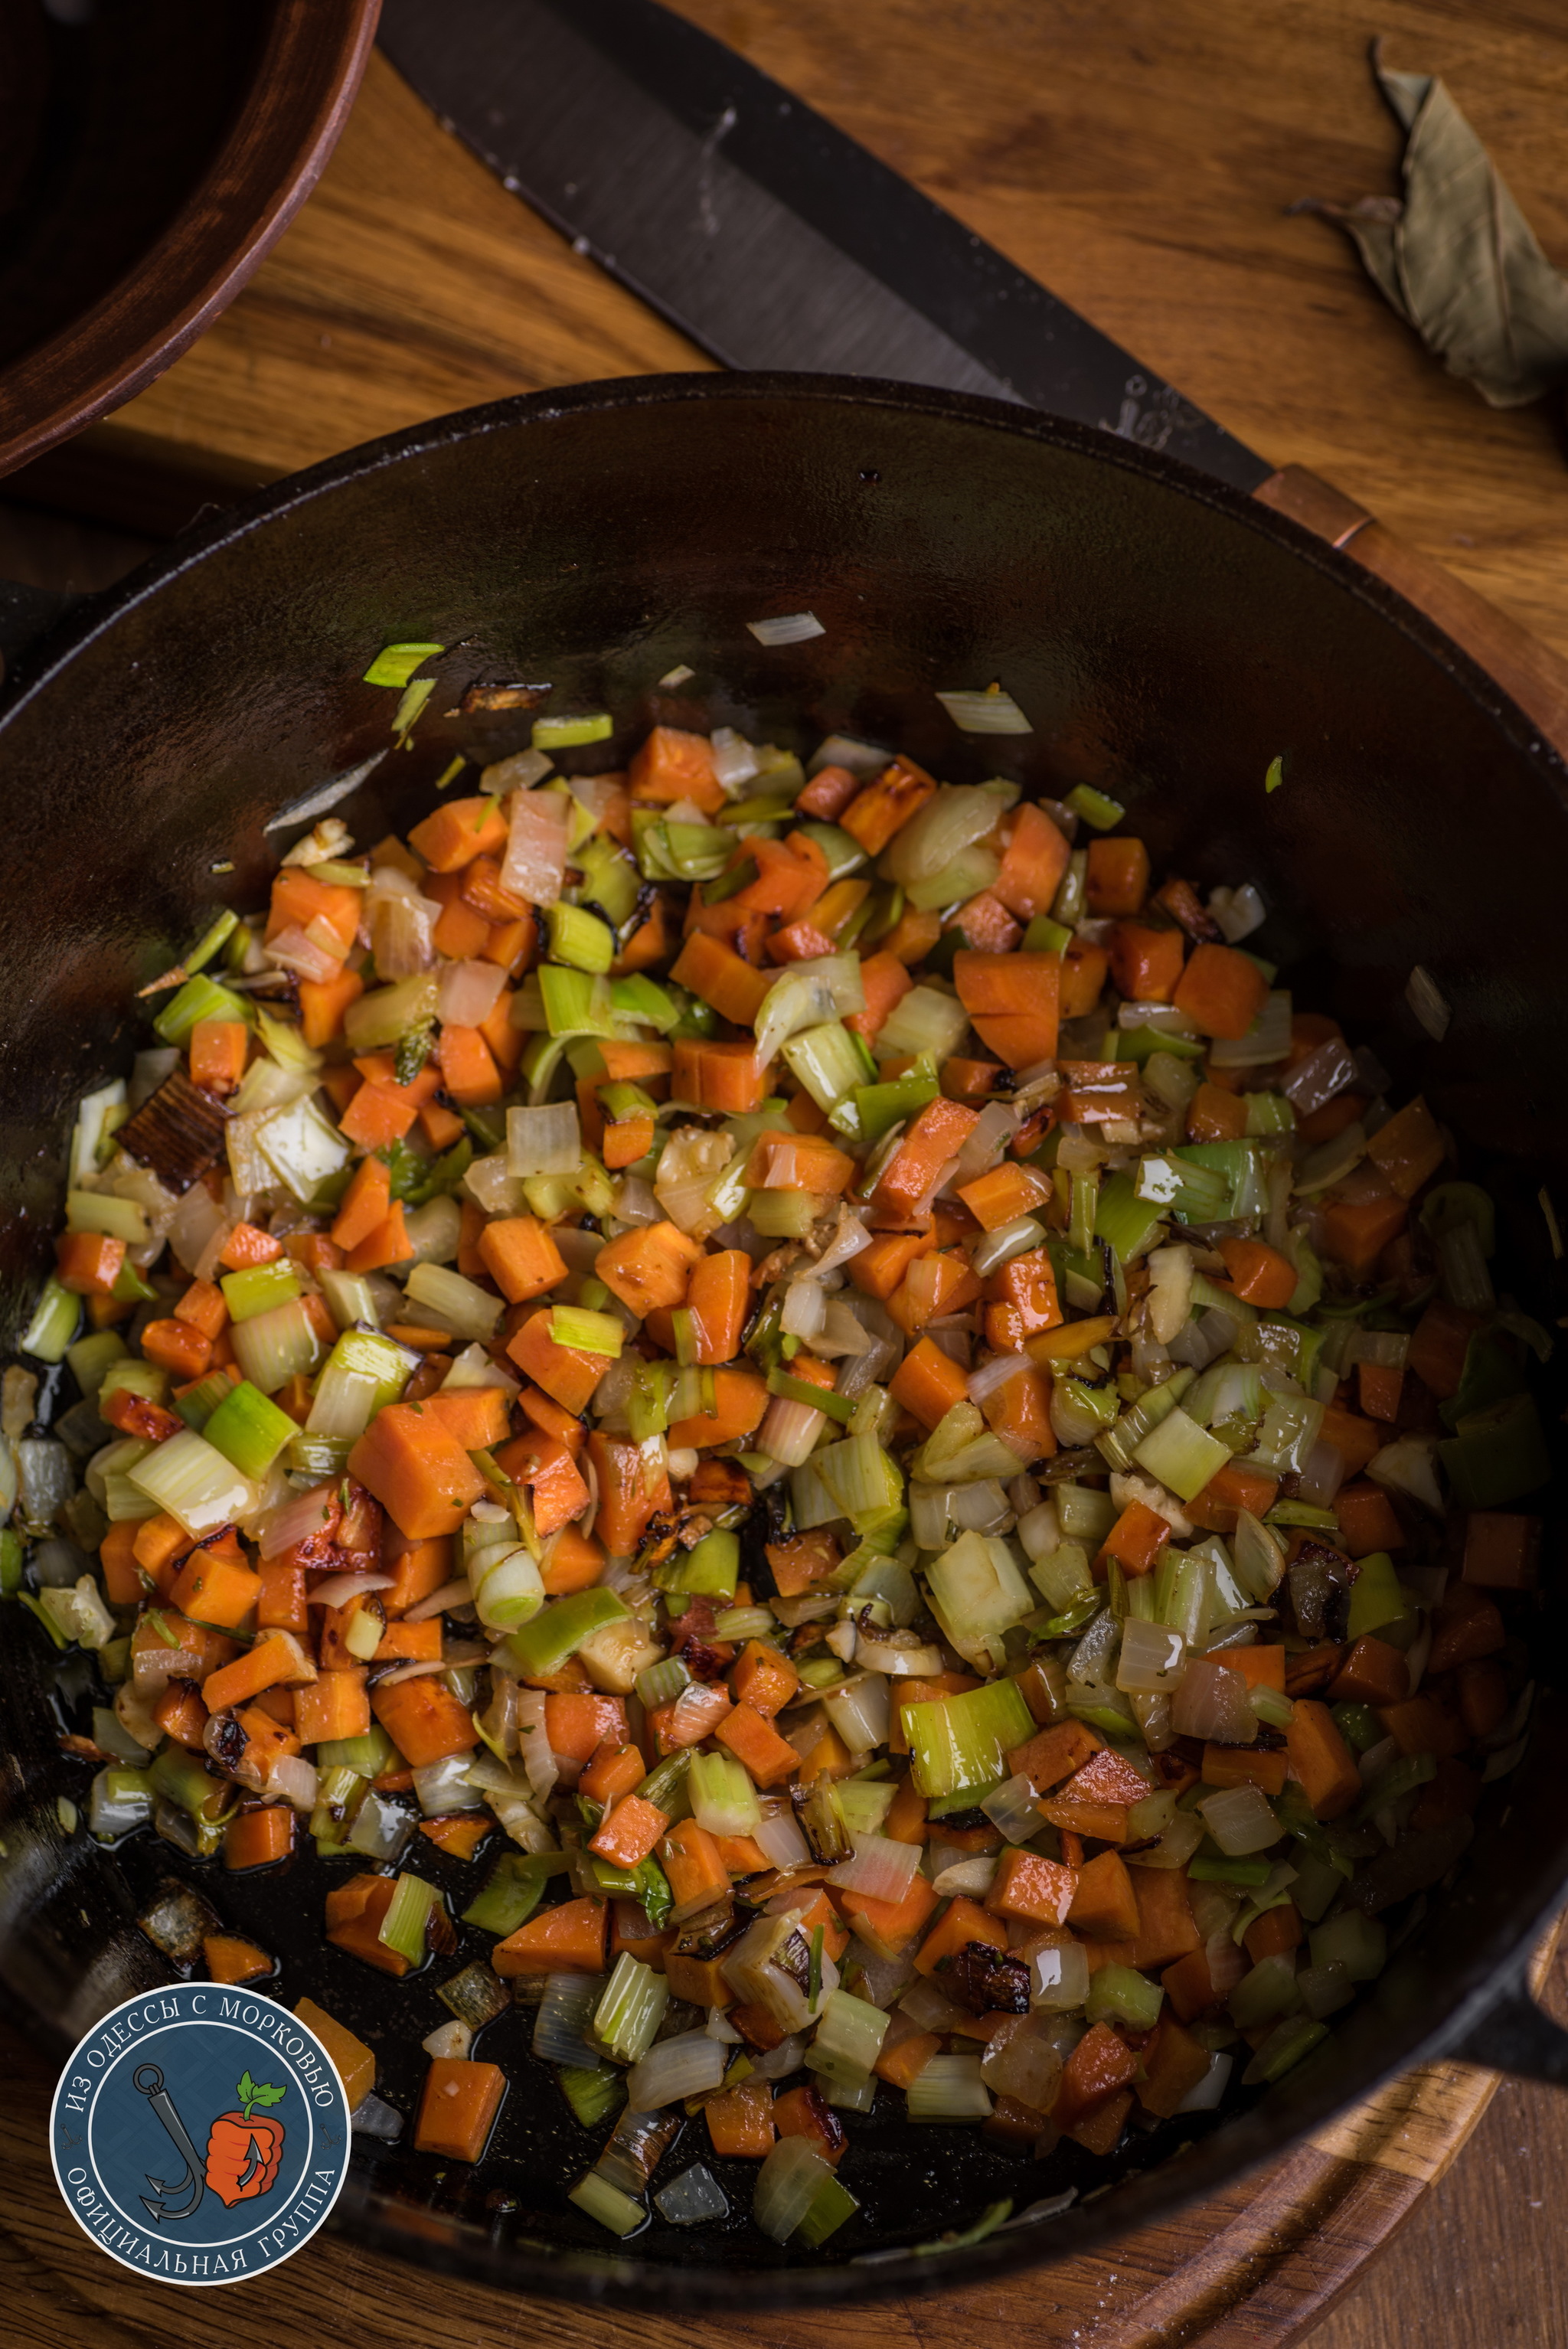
[{"x": 302, "y": 88}]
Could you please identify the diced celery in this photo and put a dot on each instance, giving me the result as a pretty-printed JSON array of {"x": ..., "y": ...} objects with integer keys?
[
  {"x": 590, "y": 1332},
  {"x": 593, "y": 2095},
  {"x": 248, "y": 1429},
  {"x": 1126, "y": 1222},
  {"x": 1122, "y": 1994},
  {"x": 472, "y": 1311},
  {"x": 628, "y": 2016},
  {"x": 827, "y": 1061},
  {"x": 258, "y": 1287},
  {"x": 275, "y": 1346},
  {"x": 1496, "y": 1454},
  {"x": 1375, "y": 1597},
  {"x": 511, "y": 1894},
  {"x": 407, "y": 1915},
  {"x": 961, "y": 1742},
  {"x": 557, "y": 1631},
  {"x": 199, "y": 998},
  {"x": 861, "y": 1478},
  {"x": 723, "y": 1798},
  {"x": 564, "y": 733},
  {"x": 580, "y": 938},
  {"x": 395, "y": 664},
  {"x": 612, "y": 2209},
  {"x": 1098, "y": 809},
  {"x": 1182, "y": 1455},
  {"x": 193, "y": 1484},
  {"x": 1298, "y": 2034},
  {"x": 303, "y": 1148},
  {"x": 576, "y": 1002},
  {"x": 56, "y": 1320},
  {"x": 711, "y": 1566}
]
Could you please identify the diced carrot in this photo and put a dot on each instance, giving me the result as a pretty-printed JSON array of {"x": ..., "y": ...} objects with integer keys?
[
  {"x": 456, "y": 832},
  {"x": 565, "y": 1939},
  {"x": 1274, "y": 1934},
  {"x": 879, "y": 1270},
  {"x": 577, "y": 1725},
  {"x": 1408, "y": 1150},
  {"x": 387, "y": 1244},
  {"x": 568, "y": 1374},
  {"x": 88, "y": 1263},
  {"x": 1035, "y": 858},
  {"x": 1368, "y": 1520},
  {"x": 424, "y": 1720},
  {"x": 1259, "y": 1274},
  {"x": 886, "y": 983},
  {"x": 1116, "y": 881},
  {"x": 1101, "y": 2064},
  {"x": 718, "y": 973},
  {"x": 218, "y": 1049},
  {"x": 1320, "y": 1758},
  {"x": 740, "y": 2121},
  {"x": 462, "y": 930},
  {"x": 673, "y": 765},
  {"x": 629, "y": 1832},
  {"x": 1378, "y": 1387},
  {"x": 298, "y": 899},
  {"x": 1190, "y": 1986},
  {"x": 616, "y": 1769},
  {"x": 216, "y": 1589},
  {"x": 829, "y": 794},
  {"x": 627, "y": 1139},
  {"x": 458, "y": 2108},
  {"x": 1105, "y": 1906},
  {"x": 1006, "y": 1192},
  {"x": 230, "y": 1959},
  {"x": 521, "y": 1256},
  {"x": 1439, "y": 1345},
  {"x": 155, "y": 1543},
  {"x": 421, "y": 1475},
  {"x": 278, "y": 1660},
  {"x": 718, "y": 1299},
  {"x": 937, "y": 1135},
  {"x": 888, "y": 1927},
  {"x": 963, "y": 1921},
  {"x": 1372, "y": 1673},
  {"x": 740, "y": 1399},
  {"x": 1502, "y": 1550},
  {"x": 323, "y": 1003},
  {"x": 903, "y": 2059},
  {"x": 1218, "y": 1507},
  {"x": 804, "y": 2112},
  {"x": 928, "y": 1382},
  {"x": 180, "y": 1715},
  {"x": 717, "y": 1076},
  {"x": 634, "y": 1487},
  {"x": 1146, "y": 963},
  {"x": 1026, "y": 1885},
  {"x": 1166, "y": 1927},
  {"x": 700, "y": 1711},
  {"x": 1222, "y": 990},
  {"x": 886, "y": 803},
  {"x": 1174, "y": 2063},
  {"x": 1356, "y": 1231},
  {"x": 1420, "y": 1726},
  {"x": 1260, "y": 1666},
  {"x": 202, "y": 1308},
  {"x": 1245, "y": 1766},
  {"x": 1014, "y": 1002},
  {"x": 1466, "y": 1626},
  {"x": 367, "y": 1203},
  {"x": 459, "y": 1833},
  {"x": 1136, "y": 1540},
  {"x": 753, "y": 1739},
  {"x": 418, "y": 1569},
  {"x": 468, "y": 1072},
  {"x": 574, "y": 1562},
  {"x": 475, "y": 1417},
  {"x": 1215, "y": 1115},
  {"x": 691, "y": 1861},
  {"x": 337, "y": 1706},
  {"x": 648, "y": 1267},
  {"x": 1055, "y": 1753},
  {"x": 1019, "y": 1411},
  {"x": 259, "y": 1838},
  {"x": 763, "y": 1679}
]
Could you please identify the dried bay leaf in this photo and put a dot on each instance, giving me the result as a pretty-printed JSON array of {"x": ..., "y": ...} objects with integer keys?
[{"x": 1456, "y": 257}]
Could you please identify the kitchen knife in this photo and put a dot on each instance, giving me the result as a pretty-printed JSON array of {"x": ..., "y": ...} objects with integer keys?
[{"x": 770, "y": 237}]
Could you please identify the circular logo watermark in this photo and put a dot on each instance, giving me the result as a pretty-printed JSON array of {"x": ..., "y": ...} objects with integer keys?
[{"x": 199, "y": 2134}]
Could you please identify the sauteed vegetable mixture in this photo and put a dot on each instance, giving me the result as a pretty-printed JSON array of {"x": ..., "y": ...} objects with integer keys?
[{"x": 815, "y": 1387}]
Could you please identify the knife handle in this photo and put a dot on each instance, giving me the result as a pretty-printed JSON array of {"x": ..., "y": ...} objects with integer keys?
[{"x": 1530, "y": 671}]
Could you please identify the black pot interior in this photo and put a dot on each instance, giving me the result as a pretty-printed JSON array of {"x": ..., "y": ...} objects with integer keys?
[
  {"x": 1168, "y": 641},
  {"x": 110, "y": 112}
]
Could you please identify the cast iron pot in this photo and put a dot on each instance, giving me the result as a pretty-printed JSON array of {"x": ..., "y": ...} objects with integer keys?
[{"x": 1168, "y": 639}]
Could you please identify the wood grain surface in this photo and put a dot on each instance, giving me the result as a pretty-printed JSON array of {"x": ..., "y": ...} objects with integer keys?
[{"x": 1139, "y": 161}]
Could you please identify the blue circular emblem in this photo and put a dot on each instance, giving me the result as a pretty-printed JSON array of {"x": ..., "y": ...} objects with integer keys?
[{"x": 199, "y": 2134}]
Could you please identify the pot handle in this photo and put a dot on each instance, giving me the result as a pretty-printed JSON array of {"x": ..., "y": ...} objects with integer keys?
[
  {"x": 1517, "y": 2036},
  {"x": 1535, "y": 676}
]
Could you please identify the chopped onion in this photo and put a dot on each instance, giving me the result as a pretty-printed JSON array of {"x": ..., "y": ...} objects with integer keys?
[
  {"x": 734, "y": 761},
  {"x": 534, "y": 866},
  {"x": 635, "y": 1203},
  {"x": 997, "y": 1124},
  {"x": 685, "y": 2066},
  {"x": 1268, "y": 1038},
  {"x": 304, "y": 1515},
  {"x": 1428, "y": 1001},
  {"x": 788, "y": 628},
  {"x": 807, "y": 995},
  {"x": 880, "y": 1868},
  {"x": 781, "y": 1840},
  {"x": 988, "y": 712},
  {"x": 1323, "y": 1074},
  {"x": 294, "y": 1779},
  {"x": 450, "y": 1593},
  {"x": 1008, "y": 1240},
  {"x": 1241, "y": 1819},
  {"x": 467, "y": 992},
  {"x": 545, "y": 1141},
  {"x": 1409, "y": 1467},
  {"x": 339, "y": 1588},
  {"x": 926, "y": 845},
  {"x": 1211, "y": 1704},
  {"x": 1238, "y": 912}
]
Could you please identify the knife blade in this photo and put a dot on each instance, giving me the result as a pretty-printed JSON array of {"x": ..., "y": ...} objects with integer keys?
[{"x": 771, "y": 238}]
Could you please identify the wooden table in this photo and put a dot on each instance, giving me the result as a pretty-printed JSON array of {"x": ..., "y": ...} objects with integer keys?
[{"x": 1139, "y": 161}]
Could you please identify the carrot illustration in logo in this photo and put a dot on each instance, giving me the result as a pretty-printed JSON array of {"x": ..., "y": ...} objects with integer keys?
[{"x": 243, "y": 2152}]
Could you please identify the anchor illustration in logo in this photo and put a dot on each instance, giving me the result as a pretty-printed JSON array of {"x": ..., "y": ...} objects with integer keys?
[{"x": 243, "y": 2151}]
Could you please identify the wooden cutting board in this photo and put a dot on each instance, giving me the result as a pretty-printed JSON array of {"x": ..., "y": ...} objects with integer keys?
[{"x": 1137, "y": 159}]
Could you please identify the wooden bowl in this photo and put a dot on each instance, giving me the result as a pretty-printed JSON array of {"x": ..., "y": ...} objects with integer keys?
[{"x": 150, "y": 155}]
